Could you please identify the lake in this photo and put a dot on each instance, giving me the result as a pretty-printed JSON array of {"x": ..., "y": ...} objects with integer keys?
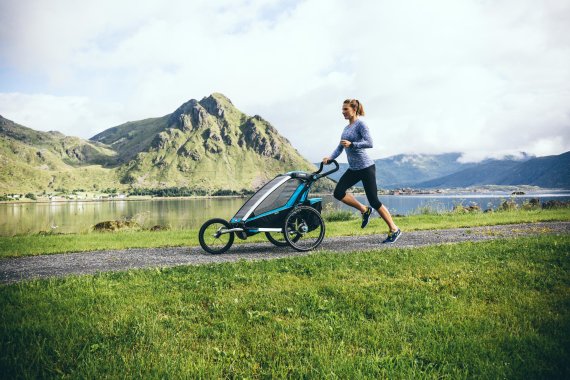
[{"x": 78, "y": 216}]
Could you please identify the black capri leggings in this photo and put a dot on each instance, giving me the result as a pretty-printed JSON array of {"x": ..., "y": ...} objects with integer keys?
[{"x": 368, "y": 178}]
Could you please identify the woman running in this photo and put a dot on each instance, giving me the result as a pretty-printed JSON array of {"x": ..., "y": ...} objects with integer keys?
[{"x": 354, "y": 139}]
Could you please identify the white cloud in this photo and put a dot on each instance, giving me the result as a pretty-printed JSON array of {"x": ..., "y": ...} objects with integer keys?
[
  {"x": 70, "y": 115},
  {"x": 478, "y": 77}
]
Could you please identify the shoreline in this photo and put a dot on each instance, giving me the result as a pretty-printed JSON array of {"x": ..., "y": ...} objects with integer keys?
[
  {"x": 127, "y": 199},
  {"x": 447, "y": 193},
  {"x": 140, "y": 198}
]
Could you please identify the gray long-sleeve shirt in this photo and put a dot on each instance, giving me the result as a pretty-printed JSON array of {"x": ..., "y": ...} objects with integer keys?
[{"x": 359, "y": 135}]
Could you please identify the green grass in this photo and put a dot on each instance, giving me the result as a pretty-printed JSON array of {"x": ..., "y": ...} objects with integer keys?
[
  {"x": 28, "y": 245},
  {"x": 448, "y": 220},
  {"x": 498, "y": 309}
]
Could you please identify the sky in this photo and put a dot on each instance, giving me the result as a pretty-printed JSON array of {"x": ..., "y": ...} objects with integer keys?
[{"x": 485, "y": 78}]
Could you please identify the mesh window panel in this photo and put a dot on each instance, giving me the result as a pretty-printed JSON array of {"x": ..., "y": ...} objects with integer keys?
[
  {"x": 279, "y": 197},
  {"x": 255, "y": 197}
]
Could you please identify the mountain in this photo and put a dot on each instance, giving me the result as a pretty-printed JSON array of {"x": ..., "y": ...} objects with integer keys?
[
  {"x": 203, "y": 145},
  {"x": 31, "y": 160},
  {"x": 54, "y": 145},
  {"x": 486, "y": 173},
  {"x": 445, "y": 171},
  {"x": 406, "y": 170},
  {"x": 548, "y": 172},
  {"x": 206, "y": 144}
]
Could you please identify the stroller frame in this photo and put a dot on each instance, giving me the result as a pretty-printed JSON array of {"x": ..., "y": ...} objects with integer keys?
[{"x": 281, "y": 209}]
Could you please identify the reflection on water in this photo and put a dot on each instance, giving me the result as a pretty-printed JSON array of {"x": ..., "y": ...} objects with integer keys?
[{"x": 25, "y": 218}]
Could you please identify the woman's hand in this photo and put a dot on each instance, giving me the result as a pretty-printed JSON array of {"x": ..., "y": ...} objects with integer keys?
[
  {"x": 326, "y": 160},
  {"x": 345, "y": 143}
]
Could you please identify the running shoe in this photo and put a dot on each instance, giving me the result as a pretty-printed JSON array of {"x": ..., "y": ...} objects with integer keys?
[
  {"x": 393, "y": 236},
  {"x": 366, "y": 217}
]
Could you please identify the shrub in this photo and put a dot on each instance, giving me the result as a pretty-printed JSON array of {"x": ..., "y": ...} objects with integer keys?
[
  {"x": 224, "y": 192},
  {"x": 330, "y": 214},
  {"x": 160, "y": 227},
  {"x": 116, "y": 225},
  {"x": 31, "y": 196},
  {"x": 555, "y": 204},
  {"x": 460, "y": 209},
  {"x": 531, "y": 204},
  {"x": 508, "y": 205}
]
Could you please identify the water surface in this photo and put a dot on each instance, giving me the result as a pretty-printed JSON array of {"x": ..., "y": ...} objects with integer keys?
[{"x": 78, "y": 216}]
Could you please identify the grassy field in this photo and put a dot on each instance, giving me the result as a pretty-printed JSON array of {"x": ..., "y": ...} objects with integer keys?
[
  {"x": 27, "y": 245},
  {"x": 498, "y": 309}
]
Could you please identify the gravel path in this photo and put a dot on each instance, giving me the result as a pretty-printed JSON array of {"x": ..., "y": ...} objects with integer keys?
[{"x": 16, "y": 269}]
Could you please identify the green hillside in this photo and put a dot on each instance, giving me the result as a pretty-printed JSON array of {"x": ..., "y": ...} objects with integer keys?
[
  {"x": 35, "y": 161},
  {"x": 203, "y": 145}
]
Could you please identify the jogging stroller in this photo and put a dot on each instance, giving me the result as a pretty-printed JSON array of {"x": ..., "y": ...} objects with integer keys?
[{"x": 281, "y": 209}]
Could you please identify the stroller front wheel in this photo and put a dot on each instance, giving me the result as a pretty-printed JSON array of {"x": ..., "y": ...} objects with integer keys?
[{"x": 213, "y": 238}]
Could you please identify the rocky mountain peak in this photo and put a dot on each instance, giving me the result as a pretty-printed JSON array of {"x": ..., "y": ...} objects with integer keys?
[
  {"x": 216, "y": 103},
  {"x": 212, "y": 106},
  {"x": 191, "y": 114},
  {"x": 187, "y": 116}
]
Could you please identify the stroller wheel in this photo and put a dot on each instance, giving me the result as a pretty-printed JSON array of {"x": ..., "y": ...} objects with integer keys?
[
  {"x": 213, "y": 238},
  {"x": 304, "y": 228},
  {"x": 278, "y": 239}
]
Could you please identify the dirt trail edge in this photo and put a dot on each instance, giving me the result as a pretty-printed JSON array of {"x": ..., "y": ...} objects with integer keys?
[{"x": 17, "y": 269}]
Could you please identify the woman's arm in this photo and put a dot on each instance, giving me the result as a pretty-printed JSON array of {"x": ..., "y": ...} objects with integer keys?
[
  {"x": 336, "y": 152},
  {"x": 365, "y": 138}
]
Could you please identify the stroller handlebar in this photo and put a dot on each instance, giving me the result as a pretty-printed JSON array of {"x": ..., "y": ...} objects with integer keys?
[{"x": 318, "y": 173}]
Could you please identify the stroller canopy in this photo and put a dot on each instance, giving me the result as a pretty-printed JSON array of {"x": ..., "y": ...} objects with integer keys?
[{"x": 273, "y": 195}]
